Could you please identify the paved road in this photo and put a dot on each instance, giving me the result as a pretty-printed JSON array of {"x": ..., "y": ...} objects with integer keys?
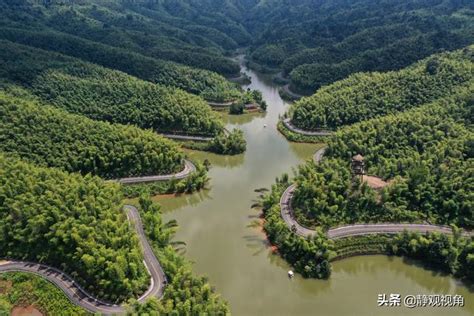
[
  {"x": 220, "y": 104},
  {"x": 73, "y": 291},
  {"x": 293, "y": 95},
  {"x": 158, "y": 277},
  {"x": 291, "y": 127},
  {"x": 388, "y": 228},
  {"x": 287, "y": 214},
  {"x": 189, "y": 168},
  {"x": 188, "y": 137},
  {"x": 77, "y": 294},
  {"x": 318, "y": 155}
]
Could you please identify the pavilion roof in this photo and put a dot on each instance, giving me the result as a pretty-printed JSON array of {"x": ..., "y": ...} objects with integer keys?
[{"x": 358, "y": 158}]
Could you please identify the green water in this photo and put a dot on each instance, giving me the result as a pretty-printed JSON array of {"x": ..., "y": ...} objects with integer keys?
[{"x": 235, "y": 256}]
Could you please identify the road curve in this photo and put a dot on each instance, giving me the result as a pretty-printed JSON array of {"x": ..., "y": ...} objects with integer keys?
[
  {"x": 189, "y": 168},
  {"x": 220, "y": 104},
  {"x": 293, "y": 95},
  {"x": 77, "y": 295},
  {"x": 287, "y": 214},
  {"x": 158, "y": 277},
  {"x": 188, "y": 137},
  {"x": 318, "y": 155},
  {"x": 291, "y": 127},
  {"x": 75, "y": 292}
]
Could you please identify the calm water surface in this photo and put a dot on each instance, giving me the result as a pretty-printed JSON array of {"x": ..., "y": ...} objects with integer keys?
[{"x": 216, "y": 226}]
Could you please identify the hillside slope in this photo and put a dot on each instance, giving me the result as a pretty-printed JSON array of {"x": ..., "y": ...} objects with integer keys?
[
  {"x": 104, "y": 94},
  {"x": 71, "y": 222},
  {"x": 54, "y": 138},
  {"x": 366, "y": 95}
]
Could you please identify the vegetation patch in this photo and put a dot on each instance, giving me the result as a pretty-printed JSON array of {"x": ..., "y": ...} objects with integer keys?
[
  {"x": 287, "y": 95},
  {"x": 73, "y": 223},
  {"x": 28, "y": 290},
  {"x": 299, "y": 138},
  {"x": 194, "y": 182},
  {"x": 209, "y": 85},
  {"x": 426, "y": 151},
  {"x": 105, "y": 94},
  {"x": 315, "y": 49},
  {"x": 309, "y": 256},
  {"x": 52, "y": 137},
  {"x": 450, "y": 254},
  {"x": 232, "y": 143},
  {"x": 361, "y": 245},
  {"x": 261, "y": 68},
  {"x": 367, "y": 95}
]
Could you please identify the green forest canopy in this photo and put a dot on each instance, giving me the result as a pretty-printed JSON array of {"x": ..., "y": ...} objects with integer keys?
[
  {"x": 426, "y": 152},
  {"x": 314, "y": 42},
  {"x": 209, "y": 85},
  {"x": 366, "y": 95},
  {"x": 73, "y": 223},
  {"x": 141, "y": 38},
  {"x": 104, "y": 94},
  {"x": 319, "y": 42},
  {"x": 187, "y": 32},
  {"x": 54, "y": 138},
  {"x": 185, "y": 293},
  {"x": 183, "y": 44}
]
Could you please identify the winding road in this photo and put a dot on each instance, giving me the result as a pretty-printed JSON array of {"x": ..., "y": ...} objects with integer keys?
[
  {"x": 189, "y": 168},
  {"x": 188, "y": 137},
  {"x": 75, "y": 292},
  {"x": 287, "y": 214},
  {"x": 293, "y": 95},
  {"x": 220, "y": 104},
  {"x": 291, "y": 127}
]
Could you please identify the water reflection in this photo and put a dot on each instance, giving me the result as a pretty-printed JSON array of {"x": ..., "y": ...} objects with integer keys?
[
  {"x": 303, "y": 151},
  {"x": 173, "y": 202},
  {"x": 216, "y": 160},
  {"x": 392, "y": 274},
  {"x": 240, "y": 119},
  {"x": 257, "y": 244}
]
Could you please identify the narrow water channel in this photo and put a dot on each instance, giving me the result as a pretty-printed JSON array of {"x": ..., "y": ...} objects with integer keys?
[{"x": 236, "y": 258}]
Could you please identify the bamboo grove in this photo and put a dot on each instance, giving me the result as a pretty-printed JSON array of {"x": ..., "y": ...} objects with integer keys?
[
  {"x": 425, "y": 154},
  {"x": 365, "y": 95}
]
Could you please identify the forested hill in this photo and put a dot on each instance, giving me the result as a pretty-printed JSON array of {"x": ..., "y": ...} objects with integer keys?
[
  {"x": 51, "y": 137},
  {"x": 314, "y": 42},
  {"x": 188, "y": 32},
  {"x": 207, "y": 84},
  {"x": 365, "y": 95},
  {"x": 317, "y": 42},
  {"x": 426, "y": 153},
  {"x": 73, "y": 223},
  {"x": 104, "y": 94},
  {"x": 83, "y": 31},
  {"x": 426, "y": 157}
]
